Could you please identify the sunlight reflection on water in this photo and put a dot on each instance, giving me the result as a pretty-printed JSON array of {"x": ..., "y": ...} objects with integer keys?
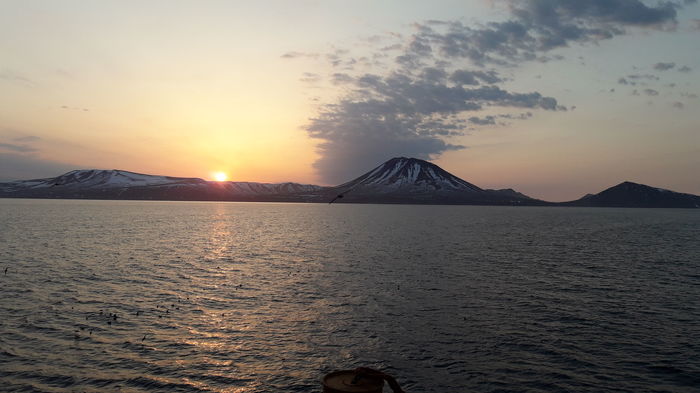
[{"x": 244, "y": 297}]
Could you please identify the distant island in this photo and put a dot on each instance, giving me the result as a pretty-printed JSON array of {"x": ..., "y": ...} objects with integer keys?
[{"x": 399, "y": 180}]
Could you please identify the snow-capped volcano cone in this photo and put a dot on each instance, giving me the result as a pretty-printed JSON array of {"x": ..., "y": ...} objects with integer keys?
[{"x": 403, "y": 174}]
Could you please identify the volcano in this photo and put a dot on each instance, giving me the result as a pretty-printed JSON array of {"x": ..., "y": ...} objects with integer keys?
[
  {"x": 411, "y": 180},
  {"x": 409, "y": 175}
]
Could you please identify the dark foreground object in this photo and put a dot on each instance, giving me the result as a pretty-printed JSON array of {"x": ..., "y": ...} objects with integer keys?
[{"x": 359, "y": 380}]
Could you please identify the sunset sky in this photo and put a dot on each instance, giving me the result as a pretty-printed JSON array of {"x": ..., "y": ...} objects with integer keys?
[{"x": 552, "y": 98}]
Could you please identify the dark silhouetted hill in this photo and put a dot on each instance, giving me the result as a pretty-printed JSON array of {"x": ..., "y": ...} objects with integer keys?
[{"x": 628, "y": 194}]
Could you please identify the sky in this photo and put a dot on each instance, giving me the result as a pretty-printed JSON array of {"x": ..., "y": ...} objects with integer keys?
[{"x": 555, "y": 99}]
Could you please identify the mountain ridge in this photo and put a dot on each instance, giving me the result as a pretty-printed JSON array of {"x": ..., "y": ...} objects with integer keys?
[
  {"x": 402, "y": 180},
  {"x": 120, "y": 184}
]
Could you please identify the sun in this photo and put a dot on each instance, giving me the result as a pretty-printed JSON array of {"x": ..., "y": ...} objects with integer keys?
[{"x": 220, "y": 176}]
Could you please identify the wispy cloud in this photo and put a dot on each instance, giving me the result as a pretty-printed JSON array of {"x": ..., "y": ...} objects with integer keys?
[
  {"x": 27, "y": 138},
  {"x": 15, "y": 77},
  {"x": 21, "y": 144},
  {"x": 664, "y": 66},
  {"x": 339, "y": 78},
  {"x": 294, "y": 55},
  {"x": 310, "y": 77},
  {"x": 19, "y": 148},
  {"x": 14, "y": 166},
  {"x": 650, "y": 77},
  {"x": 482, "y": 121},
  {"x": 66, "y": 107}
]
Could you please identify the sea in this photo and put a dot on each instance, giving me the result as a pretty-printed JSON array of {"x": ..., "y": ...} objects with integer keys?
[{"x": 151, "y": 296}]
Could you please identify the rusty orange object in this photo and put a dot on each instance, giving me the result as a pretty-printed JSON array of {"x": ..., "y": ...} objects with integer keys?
[{"x": 350, "y": 381}]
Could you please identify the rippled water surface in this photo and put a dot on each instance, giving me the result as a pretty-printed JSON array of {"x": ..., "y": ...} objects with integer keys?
[{"x": 245, "y": 297}]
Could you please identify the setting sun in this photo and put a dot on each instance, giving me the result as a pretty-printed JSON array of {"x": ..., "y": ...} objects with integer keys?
[{"x": 220, "y": 176}]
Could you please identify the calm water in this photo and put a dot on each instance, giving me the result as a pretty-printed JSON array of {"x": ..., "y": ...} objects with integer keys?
[{"x": 244, "y": 297}]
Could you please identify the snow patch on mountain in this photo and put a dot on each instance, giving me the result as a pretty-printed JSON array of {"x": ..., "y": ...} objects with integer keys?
[
  {"x": 116, "y": 179},
  {"x": 95, "y": 179},
  {"x": 252, "y": 188}
]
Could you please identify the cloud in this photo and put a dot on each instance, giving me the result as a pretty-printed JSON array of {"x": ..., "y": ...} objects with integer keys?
[
  {"x": 651, "y": 92},
  {"x": 339, "y": 78},
  {"x": 21, "y": 167},
  {"x": 521, "y": 116},
  {"x": 309, "y": 77},
  {"x": 685, "y": 69},
  {"x": 538, "y": 26},
  {"x": 413, "y": 96},
  {"x": 399, "y": 114},
  {"x": 338, "y": 59},
  {"x": 643, "y": 76},
  {"x": 678, "y": 105},
  {"x": 21, "y": 144},
  {"x": 347, "y": 158},
  {"x": 664, "y": 66},
  {"x": 492, "y": 119},
  {"x": 595, "y": 12},
  {"x": 542, "y": 25},
  {"x": 482, "y": 121},
  {"x": 467, "y": 77},
  {"x": 295, "y": 55},
  {"x": 13, "y": 76},
  {"x": 20, "y": 148},
  {"x": 27, "y": 138},
  {"x": 635, "y": 79},
  {"x": 66, "y": 107}
]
